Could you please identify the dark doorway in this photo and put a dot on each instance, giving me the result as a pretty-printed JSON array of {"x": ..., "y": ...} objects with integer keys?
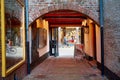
[{"x": 53, "y": 41}]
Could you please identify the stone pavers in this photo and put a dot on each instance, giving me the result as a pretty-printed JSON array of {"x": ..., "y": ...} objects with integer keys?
[{"x": 64, "y": 69}]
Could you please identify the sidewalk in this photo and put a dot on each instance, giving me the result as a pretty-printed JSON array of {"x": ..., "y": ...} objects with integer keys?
[{"x": 64, "y": 69}]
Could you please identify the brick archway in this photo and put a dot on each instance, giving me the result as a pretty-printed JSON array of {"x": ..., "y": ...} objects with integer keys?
[{"x": 33, "y": 15}]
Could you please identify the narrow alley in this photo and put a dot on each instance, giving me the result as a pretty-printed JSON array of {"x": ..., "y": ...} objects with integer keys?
[
  {"x": 59, "y": 40},
  {"x": 58, "y": 68}
]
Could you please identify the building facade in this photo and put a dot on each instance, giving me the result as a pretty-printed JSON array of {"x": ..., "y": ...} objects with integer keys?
[{"x": 90, "y": 8}]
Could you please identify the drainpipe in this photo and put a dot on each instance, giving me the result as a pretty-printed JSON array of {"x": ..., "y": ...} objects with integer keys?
[
  {"x": 102, "y": 35},
  {"x": 27, "y": 33}
]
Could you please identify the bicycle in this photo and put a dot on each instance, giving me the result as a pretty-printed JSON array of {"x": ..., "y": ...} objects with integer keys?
[{"x": 11, "y": 49}]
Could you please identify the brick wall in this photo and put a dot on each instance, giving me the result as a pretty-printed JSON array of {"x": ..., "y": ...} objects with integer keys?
[
  {"x": 112, "y": 35},
  {"x": 40, "y": 7}
]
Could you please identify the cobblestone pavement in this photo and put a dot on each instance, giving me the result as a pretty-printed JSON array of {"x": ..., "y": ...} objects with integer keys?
[{"x": 64, "y": 69}]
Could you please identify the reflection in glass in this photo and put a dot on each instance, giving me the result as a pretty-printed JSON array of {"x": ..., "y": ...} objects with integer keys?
[{"x": 14, "y": 32}]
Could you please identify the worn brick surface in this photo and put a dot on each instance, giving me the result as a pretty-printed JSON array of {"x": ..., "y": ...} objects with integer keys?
[
  {"x": 64, "y": 69},
  {"x": 40, "y": 7},
  {"x": 112, "y": 35}
]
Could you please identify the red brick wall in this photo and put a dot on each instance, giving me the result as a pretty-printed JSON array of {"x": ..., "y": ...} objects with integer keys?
[
  {"x": 112, "y": 35},
  {"x": 40, "y": 7}
]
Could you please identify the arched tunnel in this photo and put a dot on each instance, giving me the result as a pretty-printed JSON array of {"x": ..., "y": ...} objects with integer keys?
[
  {"x": 45, "y": 28},
  {"x": 46, "y": 38}
]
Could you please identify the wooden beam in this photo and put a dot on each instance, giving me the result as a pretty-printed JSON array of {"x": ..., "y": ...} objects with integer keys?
[
  {"x": 64, "y": 16},
  {"x": 65, "y": 25},
  {"x": 71, "y": 20}
]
